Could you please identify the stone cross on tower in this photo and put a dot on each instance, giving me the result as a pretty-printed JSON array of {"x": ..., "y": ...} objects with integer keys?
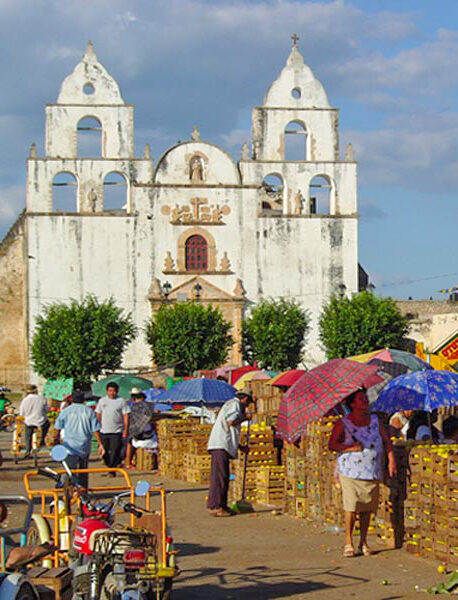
[{"x": 294, "y": 37}]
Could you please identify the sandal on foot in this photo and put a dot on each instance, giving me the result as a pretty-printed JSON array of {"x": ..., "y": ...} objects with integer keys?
[
  {"x": 365, "y": 550},
  {"x": 349, "y": 551}
]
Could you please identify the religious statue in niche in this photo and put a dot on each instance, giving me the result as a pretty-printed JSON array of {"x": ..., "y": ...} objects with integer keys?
[
  {"x": 196, "y": 170},
  {"x": 298, "y": 203},
  {"x": 92, "y": 197},
  {"x": 199, "y": 212}
]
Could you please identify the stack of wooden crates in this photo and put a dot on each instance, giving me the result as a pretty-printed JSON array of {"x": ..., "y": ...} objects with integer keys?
[
  {"x": 183, "y": 450},
  {"x": 431, "y": 506},
  {"x": 262, "y": 453}
]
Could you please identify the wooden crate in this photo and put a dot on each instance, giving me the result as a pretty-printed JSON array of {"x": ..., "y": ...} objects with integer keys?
[
  {"x": 52, "y": 584},
  {"x": 197, "y": 475},
  {"x": 145, "y": 459}
]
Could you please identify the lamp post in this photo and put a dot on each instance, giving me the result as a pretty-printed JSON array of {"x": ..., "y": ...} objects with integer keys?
[
  {"x": 370, "y": 287},
  {"x": 197, "y": 290},
  {"x": 167, "y": 286}
]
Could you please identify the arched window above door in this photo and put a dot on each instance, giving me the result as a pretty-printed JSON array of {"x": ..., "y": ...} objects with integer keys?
[{"x": 196, "y": 253}]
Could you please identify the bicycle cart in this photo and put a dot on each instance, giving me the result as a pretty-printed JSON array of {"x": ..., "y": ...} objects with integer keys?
[
  {"x": 19, "y": 582},
  {"x": 60, "y": 515}
]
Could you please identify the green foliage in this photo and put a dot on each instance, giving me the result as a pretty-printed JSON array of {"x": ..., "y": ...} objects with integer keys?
[
  {"x": 191, "y": 334},
  {"x": 274, "y": 333},
  {"x": 360, "y": 324},
  {"x": 80, "y": 339}
]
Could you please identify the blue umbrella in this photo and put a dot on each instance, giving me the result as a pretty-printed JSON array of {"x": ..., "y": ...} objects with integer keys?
[
  {"x": 422, "y": 390},
  {"x": 198, "y": 391}
]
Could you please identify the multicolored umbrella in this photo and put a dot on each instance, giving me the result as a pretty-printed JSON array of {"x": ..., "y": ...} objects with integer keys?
[
  {"x": 245, "y": 379},
  {"x": 318, "y": 391},
  {"x": 287, "y": 378},
  {"x": 198, "y": 391},
  {"x": 125, "y": 384},
  {"x": 392, "y": 355},
  {"x": 423, "y": 390}
]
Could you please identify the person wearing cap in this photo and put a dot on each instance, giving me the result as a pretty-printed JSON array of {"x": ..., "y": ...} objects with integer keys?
[
  {"x": 223, "y": 443},
  {"x": 34, "y": 409},
  {"x": 141, "y": 429},
  {"x": 80, "y": 424}
]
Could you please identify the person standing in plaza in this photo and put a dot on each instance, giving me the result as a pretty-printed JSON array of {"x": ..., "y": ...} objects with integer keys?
[
  {"x": 113, "y": 414},
  {"x": 223, "y": 443},
  {"x": 362, "y": 444},
  {"x": 80, "y": 424},
  {"x": 34, "y": 409}
]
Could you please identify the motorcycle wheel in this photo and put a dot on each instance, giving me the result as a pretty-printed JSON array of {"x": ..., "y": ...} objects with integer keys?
[{"x": 26, "y": 592}]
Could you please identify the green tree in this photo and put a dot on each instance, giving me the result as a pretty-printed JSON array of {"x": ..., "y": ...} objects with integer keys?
[
  {"x": 359, "y": 324},
  {"x": 273, "y": 334},
  {"x": 191, "y": 334},
  {"x": 80, "y": 339}
]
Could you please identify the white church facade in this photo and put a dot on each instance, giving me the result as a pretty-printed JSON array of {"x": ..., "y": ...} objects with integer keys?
[{"x": 282, "y": 221}]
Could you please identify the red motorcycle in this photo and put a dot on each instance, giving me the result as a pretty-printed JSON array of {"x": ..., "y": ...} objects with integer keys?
[{"x": 112, "y": 561}]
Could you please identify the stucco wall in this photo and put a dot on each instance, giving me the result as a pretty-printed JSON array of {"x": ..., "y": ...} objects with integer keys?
[
  {"x": 432, "y": 322},
  {"x": 13, "y": 348}
]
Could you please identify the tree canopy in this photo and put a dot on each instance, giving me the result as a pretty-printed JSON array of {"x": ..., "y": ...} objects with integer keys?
[
  {"x": 189, "y": 334},
  {"x": 80, "y": 339},
  {"x": 359, "y": 324},
  {"x": 273, "y": 334}
]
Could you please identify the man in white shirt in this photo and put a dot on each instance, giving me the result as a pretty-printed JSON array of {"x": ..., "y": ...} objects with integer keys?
[
  {"x": 113, "y": 415},
  {"x": 223, "y": 444},
  {"x": 34, "y": 409}
]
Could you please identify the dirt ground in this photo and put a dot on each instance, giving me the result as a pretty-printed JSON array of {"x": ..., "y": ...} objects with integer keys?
[{"x": 261, "y": 555}]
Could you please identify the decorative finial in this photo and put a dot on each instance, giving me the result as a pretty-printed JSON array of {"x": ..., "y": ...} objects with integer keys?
[
  {"x": 147, "y": 152},
  {"x": 245, "y": 151},
  {"x": 90, "y": 53},
  {"x": 33, "y": 151},
  {"x": 294, "y": 37},
  {"x": 195, "y": 135},
  {"x": 349, "y": 153}
]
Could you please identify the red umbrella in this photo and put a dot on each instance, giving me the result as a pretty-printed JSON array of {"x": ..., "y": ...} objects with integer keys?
[
  {"x": 318, "y": 391},
  {"x": 237, "y": 373},
  {"x": 287, "y": 378}
]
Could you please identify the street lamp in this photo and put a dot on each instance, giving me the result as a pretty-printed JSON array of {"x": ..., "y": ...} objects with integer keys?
[
  {"x": 370, "y": 287},
  {"x": 166, "y": 289},
  {"x": 197, "y": 290},
  {"x": 342, "y": 289}
]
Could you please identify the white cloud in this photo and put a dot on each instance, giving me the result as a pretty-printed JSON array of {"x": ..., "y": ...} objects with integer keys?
[
  {"x": 236, "y": 137},
  {"x": 12, "y": 201}
]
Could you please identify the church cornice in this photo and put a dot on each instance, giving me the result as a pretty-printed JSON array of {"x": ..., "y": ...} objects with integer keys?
[
  {"x": 297, "y": 108},
  {"x": 89, "y": 106}
]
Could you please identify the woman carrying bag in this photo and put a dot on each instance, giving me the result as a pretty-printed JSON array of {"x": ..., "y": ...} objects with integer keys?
[{"x": 362, "y": 443}]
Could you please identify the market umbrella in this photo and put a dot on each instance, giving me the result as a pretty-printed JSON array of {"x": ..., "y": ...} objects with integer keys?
[
  {"x": 287, "y": 378},
  {"x": 318, "y": 391},
  {"x": 250, "y": 376},
  {"x": 393, "y": 355},
  {"x": 125, "y": 383},
  {"x": 58, "y": 389},
  {"x": 391, "y": 368},
  {"x": 235, "y": 374},
  {"x": 423, "y": 390},
  {"x": 198, "y": 391}
]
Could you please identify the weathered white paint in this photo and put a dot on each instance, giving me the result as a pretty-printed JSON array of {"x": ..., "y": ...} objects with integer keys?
[{"x": 302, "y": 256}]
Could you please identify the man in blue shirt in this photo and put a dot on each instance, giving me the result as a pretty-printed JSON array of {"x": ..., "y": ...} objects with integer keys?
[{"x": 80, "y": 423}]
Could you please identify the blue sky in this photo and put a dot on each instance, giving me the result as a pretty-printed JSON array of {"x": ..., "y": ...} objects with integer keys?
[{"x": 389, "y": 66}]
